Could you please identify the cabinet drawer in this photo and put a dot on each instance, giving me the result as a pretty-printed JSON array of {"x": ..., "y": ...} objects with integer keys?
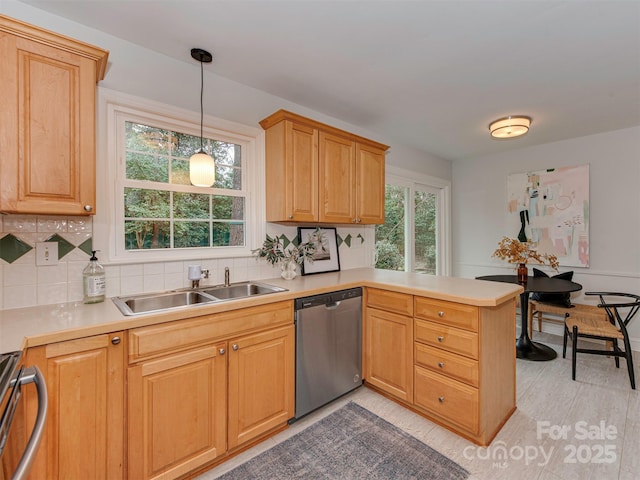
[
  {"x": 447, "y": 338},
  {"x": 390, "y": 301},
  {"x": 460, "y": 368},
  {"x": 453, "y": 401},
  {"x": 159, "y": 339},
  {"x": 447, "y": 313}
]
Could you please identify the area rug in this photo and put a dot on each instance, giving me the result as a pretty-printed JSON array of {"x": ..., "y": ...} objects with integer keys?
[{"x": 351, "y": 443}]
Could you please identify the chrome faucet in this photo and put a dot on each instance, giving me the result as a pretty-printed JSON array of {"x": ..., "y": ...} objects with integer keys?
[{"x": 226, "y": 277}]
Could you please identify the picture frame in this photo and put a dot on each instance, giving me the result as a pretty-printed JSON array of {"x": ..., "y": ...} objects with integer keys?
[{"x": 327, "y": 257}]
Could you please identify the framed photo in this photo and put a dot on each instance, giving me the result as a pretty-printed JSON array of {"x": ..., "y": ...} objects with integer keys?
[{"x": 326, "y": 258}]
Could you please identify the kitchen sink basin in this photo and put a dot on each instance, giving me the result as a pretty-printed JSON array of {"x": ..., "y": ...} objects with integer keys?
[
  {"x": 241, "y": 290},
  {"x": 159, "y": 302}
]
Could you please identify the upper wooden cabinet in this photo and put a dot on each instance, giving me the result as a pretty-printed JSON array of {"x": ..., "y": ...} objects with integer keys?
[
  {"x": 318, "y": 173},
  {"x": 48, "y": 123}
]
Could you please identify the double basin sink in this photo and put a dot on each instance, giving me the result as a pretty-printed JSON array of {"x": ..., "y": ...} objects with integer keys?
[{"x": 159, "y": 302}]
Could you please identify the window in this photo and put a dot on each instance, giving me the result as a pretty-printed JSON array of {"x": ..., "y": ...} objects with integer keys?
[
  {"x": 414, "y": 237},
  {"x": 158, "y": 214}
]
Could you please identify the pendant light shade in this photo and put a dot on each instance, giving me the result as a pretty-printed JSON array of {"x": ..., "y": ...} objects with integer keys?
[
  {"x": 202, "y": 167},
  {"x": 510, "y": 127}
]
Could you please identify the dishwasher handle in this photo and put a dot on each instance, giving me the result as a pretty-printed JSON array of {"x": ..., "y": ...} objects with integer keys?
[{"x": 332, "y": 306}]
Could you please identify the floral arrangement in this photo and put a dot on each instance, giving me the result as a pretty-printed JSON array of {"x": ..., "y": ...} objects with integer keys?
[
  {"x": 274, "y": 252},
  {"x": 515, "y": 251}
]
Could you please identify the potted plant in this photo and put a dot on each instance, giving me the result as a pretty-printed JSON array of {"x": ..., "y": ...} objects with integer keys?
[
  {"x": 274, "y": 252},
  {"x": 522, "y": 253}
]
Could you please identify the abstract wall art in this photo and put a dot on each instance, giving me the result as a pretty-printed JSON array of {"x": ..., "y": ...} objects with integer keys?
[{"x": 550, "y": 208}]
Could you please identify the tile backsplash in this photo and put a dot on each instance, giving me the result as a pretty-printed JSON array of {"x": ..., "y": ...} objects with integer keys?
[{"x": 24, "y": 284}]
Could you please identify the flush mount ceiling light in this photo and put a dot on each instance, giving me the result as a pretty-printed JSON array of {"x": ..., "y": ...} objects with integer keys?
[
  {"x": 510, "y": 127},
  {"x": 202, "y": 168}
]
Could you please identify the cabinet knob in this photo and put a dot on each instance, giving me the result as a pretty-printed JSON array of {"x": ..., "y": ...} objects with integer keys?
[
  {"x": 441, "y": 364},
  {"x": 88, "y": 208},
  {"x": 115, "y": 340},
  {"x": 290, "y": 217},
  {"x": 441, "y": 399},
  {"x": 222, "y": 351},
  {"x": 235, "y": 346},
  {"x": 441, "y": 339},
  {"x": 359, "y": 220},
  {"x": 354, "y": 220},
  {"x": 441, "y": 314}
]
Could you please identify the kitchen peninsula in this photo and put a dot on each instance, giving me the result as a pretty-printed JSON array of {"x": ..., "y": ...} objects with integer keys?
[{"x": 441, "y": 346}]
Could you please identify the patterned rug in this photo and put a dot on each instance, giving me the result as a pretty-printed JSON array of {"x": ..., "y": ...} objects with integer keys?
[{"x": 351, "y": 443}]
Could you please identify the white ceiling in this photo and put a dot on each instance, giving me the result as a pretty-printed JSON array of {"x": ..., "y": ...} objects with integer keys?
[{"x": 428, "y": 74}]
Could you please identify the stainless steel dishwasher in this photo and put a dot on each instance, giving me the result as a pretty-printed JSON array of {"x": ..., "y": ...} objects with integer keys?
[{"x": 328, "y": 347}]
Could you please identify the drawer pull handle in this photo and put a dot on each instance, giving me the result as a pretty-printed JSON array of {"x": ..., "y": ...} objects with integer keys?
[
  {"x": 115, "y": 340},
  {"x": 441, "y": 364},
  {"x": 441, "y": 339},
  {"x": 441, "y": 399},
  {"x": 441, "y": 314},
  {"x": 235, "y": 346}
]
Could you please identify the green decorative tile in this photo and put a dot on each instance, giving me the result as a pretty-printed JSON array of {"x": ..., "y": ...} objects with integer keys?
[
  {"x": 361, "y": 238},
  {"x": 340, "y": 240},
  {"x": 64, "y": 246},
  {"x": 87, "y": 246},
  {"x": 285, "y": 241},
  {"x": 347, "y": 240},
  {"x": 12, "y": 248},
  {"x": 295, "y": 241}
]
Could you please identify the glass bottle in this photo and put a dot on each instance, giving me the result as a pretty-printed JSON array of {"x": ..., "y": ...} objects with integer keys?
[{"x": 93, "y": 281}]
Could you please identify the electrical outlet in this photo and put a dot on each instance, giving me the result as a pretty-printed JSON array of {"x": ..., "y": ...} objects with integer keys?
[{"x": 46, "y": 253}]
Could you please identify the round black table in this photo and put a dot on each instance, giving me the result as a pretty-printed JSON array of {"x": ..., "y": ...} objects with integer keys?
[{"x": 525, "y": 347}]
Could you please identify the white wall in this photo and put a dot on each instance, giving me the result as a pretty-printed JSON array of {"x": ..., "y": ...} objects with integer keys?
[{"x": 479, "y": 209}]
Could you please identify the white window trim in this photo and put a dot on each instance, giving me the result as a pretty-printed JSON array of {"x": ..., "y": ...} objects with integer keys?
[
  {"x": 109, "y": 211},
  {"x": 442, "y": 188}
]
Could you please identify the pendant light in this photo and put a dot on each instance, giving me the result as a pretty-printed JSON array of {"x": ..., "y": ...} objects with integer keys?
[{"x": 202, "y": 168}]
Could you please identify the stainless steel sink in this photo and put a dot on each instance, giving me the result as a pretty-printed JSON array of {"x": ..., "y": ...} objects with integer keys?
[
  {"x": 159, "y": 302},
  {"x": 241, "y": 290}
]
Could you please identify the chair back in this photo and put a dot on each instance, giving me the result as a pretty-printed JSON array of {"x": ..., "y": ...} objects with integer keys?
[{"x": 614, "y": 302}]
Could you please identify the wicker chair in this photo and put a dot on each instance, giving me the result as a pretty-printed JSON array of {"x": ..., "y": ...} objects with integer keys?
[{"x": 612, "y": 329}]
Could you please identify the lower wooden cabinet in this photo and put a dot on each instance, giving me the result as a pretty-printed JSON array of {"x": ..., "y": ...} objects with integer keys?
[
  {"x": 261, "y": 383},
  {"x": 452, "y": 362},
  {"x": 388, "y": 351},
  {"x": 84, "y": 434},
  {"x": 197, "y": 391},
  {"x": 177, "y": 412}
]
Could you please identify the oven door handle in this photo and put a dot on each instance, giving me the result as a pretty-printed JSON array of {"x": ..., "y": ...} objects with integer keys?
[{"x": 33, "y": 375}]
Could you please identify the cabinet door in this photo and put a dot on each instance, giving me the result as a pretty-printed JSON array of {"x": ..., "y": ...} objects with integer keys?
[
  {"x": 337, "y": 179},
  {"x": 370, "y": 184},
  {"x": 389, "y": 352},
  {"x": 84, "y": 434},
  {"x": 261, "y": 383},
  {"x": 48, "y": 129},
  {"x": 177, "y": 412},
  {"x": 291, "y": 172}
]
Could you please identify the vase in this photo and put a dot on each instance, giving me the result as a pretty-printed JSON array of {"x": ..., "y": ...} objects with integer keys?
[
  {"x": 288, "y": 268},
  {"x": 523, "y": 273}
]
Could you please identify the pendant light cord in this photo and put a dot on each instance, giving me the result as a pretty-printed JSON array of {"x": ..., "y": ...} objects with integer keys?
[{"x": 201, "y": 104}]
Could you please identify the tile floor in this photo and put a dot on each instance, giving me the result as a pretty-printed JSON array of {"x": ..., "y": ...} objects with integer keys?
[{"x": 562, "y": 430}]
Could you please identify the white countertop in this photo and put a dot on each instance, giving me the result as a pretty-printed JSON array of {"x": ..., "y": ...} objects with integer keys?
[{"x": 32, "y": 326}]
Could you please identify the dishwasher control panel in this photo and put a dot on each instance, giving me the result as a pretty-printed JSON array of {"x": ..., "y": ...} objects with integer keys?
[{"x": 327, "y": 298}]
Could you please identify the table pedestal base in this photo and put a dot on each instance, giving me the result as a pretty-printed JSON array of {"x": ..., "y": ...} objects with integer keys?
[{"x": 529, "y": 350}]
